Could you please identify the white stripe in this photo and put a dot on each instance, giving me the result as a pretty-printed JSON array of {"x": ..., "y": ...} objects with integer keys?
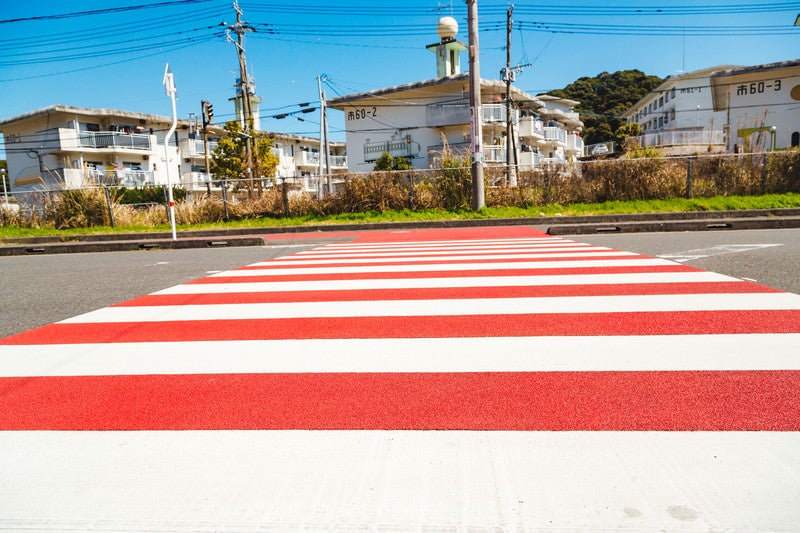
[
  {"x": 598, "y": 252},
  {"x": 490, "y": 354},
  {"x": 453, "y": 249},
  {"x": 445, "y": 307},
  {"x": 459, "y": 282},
  {"x": 589, "y": 263},
  {"x": 443, "y": 252},
  {"x": 205, "y": 481}
]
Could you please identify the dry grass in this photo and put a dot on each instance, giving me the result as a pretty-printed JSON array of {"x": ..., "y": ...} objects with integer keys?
[{"x": 448, "y": 188}]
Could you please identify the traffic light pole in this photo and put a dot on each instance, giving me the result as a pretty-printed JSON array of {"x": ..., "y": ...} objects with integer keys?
[{"x": 207, "y": 112}]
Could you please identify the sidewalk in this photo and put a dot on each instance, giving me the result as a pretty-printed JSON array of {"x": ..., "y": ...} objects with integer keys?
[{"x": 573, "y": 225}]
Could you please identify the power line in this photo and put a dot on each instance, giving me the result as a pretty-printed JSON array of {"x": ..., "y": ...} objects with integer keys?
[{"x": 103, "y": 11}]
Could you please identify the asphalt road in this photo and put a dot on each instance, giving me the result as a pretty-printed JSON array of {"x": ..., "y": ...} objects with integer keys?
[
  {"x": 39, "y": 290},
  {"x": 769, "y": 257},
  {"x": 42, "y": 289}
]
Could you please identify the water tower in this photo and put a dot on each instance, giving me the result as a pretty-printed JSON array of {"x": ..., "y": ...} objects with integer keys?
[{"x": 448, "y": 49}]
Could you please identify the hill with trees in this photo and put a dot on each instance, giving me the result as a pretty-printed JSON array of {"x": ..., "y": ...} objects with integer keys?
[{"x": 603, "y": 98}]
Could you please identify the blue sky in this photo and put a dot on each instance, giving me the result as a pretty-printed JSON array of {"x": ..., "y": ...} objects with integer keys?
[{"x": 114, "y": 55}]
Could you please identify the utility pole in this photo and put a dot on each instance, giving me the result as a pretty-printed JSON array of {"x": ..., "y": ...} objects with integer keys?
[
  {"x": 476, "y": 129},
  {"x": 247, "y": 111},
  {"x": 509, "y": 74},
  {"x": 324, "y": 144}
]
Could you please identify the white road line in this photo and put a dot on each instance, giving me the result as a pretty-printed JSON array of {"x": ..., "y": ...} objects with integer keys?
[
  {"x": 517, "y": 265},
  {"x": 447, "y": 307},
  {"x": 412, "y": 258},
  {"x": 439, "y": 282},
  {"x": 492, "y": 354},
  {"x": 454, "y": 249},
  {"x": 722, "y": 249}
]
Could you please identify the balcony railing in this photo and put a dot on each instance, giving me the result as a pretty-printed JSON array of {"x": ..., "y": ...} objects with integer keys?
[
  {"x": 553, "y": 133},
  {"x": 311, "y": 159},
  {"x": 195, "y": 148},
  {"x": 682, "y": 138},
  {"x": 114, "y": 139},
  {"x": 496, "y": 114},
  {"x": 372, "y": 151},
  {"x": 531, "y": 127},
  {"x": 494, "y": 154},
  {"x": 447, "y": 114},
  {"x": 575, "y": 143},
  {"x": 76, "y": 177}
]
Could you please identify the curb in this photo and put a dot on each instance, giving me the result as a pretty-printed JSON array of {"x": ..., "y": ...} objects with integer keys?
[{"x": 573, "y": 225}]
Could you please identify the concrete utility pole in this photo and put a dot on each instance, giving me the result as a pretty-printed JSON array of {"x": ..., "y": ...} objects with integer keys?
[
  {"x": 509, "y": 74},
  {"x": 476, "y": 129},
  {"x": 247, "y": 110},
  {"x": 324, "y": 144}
]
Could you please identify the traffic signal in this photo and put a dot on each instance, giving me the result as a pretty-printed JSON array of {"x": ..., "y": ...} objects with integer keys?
[{"x": 208, "y": 112}]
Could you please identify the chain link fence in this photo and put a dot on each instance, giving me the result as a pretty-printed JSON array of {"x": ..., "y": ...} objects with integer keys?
[{"x": 441, "y": 188}]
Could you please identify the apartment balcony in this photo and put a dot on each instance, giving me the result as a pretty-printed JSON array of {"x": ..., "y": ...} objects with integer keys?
[
  {"x": 681, "y": 138},
  {"x": 402, "y": 148},
  {"x": 113, "y": 140},
  {"x": 312, "y": 159},
  {"x": 530, "y": 159},
  {"x": 531, "y": 127},
  {"x": 451, "y": 114},
  {"x": 75, "y": 177},
  {"x": 575, "y": 143},
  {"x": 556, "y": 135},
  {"x": 494, "y": 154},
  {"x": 193, "y": 148},
  {"x": 495, "y": 114}
]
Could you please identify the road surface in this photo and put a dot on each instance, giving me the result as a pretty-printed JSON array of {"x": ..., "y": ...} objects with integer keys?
[{"x": 486, "y": 378}]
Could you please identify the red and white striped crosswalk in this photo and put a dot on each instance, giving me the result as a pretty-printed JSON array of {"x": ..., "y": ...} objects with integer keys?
[{"x": 579, "y": 387}]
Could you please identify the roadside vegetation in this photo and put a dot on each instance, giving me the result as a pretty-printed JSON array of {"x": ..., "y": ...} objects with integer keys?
[
  {"x": 615, "y": 186},
  {"x": 675, "y": 205}
]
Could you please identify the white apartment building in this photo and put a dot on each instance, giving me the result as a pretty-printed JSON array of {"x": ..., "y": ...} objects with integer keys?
[
  {"x": 678, "y": 117},
  {"x": 416, "y": 121},
  {"x": 761, "y": 105},
  {"x": 71, "y": 147}
]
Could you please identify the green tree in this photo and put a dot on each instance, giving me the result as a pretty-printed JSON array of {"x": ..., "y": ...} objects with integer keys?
[
  {"x": 387, "y": 162},
  {"x": 604, "y": 98},
  {"x": 633, "y": 129},
  {"x": 229, "y": 159}
]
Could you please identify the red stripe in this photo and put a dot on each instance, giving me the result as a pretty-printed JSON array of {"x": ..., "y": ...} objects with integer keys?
[
  {"x": 723, "y": 287},
  {"x": 451, "y": 274},
  {"x": 535, "y": 401},
  {"x": 422, "y": 234},
  {"x": 562, "y": 324}
]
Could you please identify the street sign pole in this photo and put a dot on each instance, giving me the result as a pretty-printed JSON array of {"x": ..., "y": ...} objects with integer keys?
[{"x": 169, "y": 88}]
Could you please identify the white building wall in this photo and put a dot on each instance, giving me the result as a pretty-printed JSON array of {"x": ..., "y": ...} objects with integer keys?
[
  {"x": 767, "y": 103},
  {"x": 678, "y": 104}
]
